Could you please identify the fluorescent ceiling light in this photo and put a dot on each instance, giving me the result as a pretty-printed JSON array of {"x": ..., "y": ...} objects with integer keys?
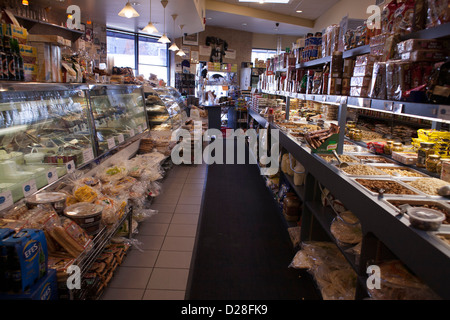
[{"x": 266, "y": 1}]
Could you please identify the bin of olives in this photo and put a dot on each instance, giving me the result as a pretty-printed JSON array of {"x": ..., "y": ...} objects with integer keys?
[{"x": 435, "y": 205}]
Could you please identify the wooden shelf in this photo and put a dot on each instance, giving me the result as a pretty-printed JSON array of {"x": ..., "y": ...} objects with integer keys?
[{"x": 39, "y": 27}]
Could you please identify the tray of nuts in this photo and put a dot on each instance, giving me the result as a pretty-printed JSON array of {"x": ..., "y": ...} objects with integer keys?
[
  {"x": 397, "y": 203},
  {"x": 384, "y": 186},
  {"x": 401, "y": 172},
  {"x": 373, "y": 159},
  {"x": 344, "y": 158},
  {"x": 428, "y": 186},
  {"x": 362, "y": 170}
]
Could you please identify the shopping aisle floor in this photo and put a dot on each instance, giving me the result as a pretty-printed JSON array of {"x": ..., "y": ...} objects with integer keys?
[{"x": 160, "y": 270}]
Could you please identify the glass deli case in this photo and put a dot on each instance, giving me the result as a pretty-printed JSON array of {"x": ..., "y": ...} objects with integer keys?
[
  {"x": 43, "y": 128},
  {"x": 118, "y": 113},
  {"x": 166, "y": 109}
]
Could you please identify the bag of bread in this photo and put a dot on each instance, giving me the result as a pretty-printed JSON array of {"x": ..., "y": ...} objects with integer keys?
[{"x": 85, "y": 193}]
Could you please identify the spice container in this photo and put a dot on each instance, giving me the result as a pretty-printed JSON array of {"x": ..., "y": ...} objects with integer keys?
[
  {"x": 426, "y": 149},
  {"x": 291, "y": 207},
  {"x": 397, "y": 147},
  {"x": 432, "y": 162},
  {"x": 445, "y": 172}
]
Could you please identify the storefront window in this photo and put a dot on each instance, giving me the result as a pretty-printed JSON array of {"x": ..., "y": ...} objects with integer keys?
[
  {"x": 145, "y": 58},
  {"x": 262, "y": 54}
]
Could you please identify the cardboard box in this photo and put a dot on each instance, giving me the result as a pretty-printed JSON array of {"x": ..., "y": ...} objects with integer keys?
[
  {"x": 30, "y": 71},
  {"x": 45, "y": 289},
  {"x": 29, "y": 53},
  {"x": 48, "y": 61},
  {"x": 47, "y": 39},
  {"x": 27, "y": 258},
  {"x": 21, "y": 34}
]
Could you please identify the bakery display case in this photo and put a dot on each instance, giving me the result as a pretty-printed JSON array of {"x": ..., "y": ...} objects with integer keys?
[
  {"x": 166, "y": 109},
  {"x": 118, "y": 113},
  {"x": 43, "y": 128}
]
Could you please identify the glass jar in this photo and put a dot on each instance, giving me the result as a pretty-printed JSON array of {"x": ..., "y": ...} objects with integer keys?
[
  {"x": 351, "y": 133},
  {"x": 350, "y": 125},
  {"x": 432, "y": 162},
  {"x": 388, "y": 147},
  {"x": 397, "y": 147},
  {"x": 441, "y": 164},
  {"x": 357, "y": 135},
  {"x": 426, "y": 149}
]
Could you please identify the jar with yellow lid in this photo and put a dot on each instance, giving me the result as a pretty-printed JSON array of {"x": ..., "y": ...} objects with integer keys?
[
  {"x": 388, "y": 147},
  {"x": 357, "y": 135},
  {"x": 432, "y": 162},
  {"x": 351, "y": 133},
  {"x": 426, "y": 149},
  {"x": 397, "y": 147}
]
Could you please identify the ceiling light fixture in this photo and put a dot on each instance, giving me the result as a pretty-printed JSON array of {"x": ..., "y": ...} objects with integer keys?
[
  {"x": 150, "y": 28},
  {"x": 299, "y": 11},
  {"x": 174, "y": 46},
  {"x": 181, "y": 53},
  {"x": 266, "y": 1},
  {"x": 128, "y": 11},
  {"x": 164, "y": 38}
]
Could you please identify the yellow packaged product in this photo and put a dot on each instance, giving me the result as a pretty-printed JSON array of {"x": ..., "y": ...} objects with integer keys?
[{"x": 85, "y": 194}]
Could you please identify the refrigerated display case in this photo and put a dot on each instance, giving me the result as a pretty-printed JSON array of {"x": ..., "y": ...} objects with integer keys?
[
  {"x": 166, "y": 109},
  {"x": 43, "y": 128},
  {"x": 118, "y": 113}
]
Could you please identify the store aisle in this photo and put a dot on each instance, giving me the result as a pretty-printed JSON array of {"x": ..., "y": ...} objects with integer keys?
[
  {"x": 243, "y": 249},
  {"x": 161, "y": 270}
]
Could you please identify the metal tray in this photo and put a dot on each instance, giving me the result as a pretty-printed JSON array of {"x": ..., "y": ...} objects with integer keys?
[
  {"x": 380, "y": 175},
  {"x": 403, "y": 168},
  {"x": 374, "y": 157},
  {"x": 418, "y": 195}
]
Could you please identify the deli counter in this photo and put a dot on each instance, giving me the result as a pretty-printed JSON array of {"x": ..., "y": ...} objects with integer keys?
[{"x": 48, "y": 130}]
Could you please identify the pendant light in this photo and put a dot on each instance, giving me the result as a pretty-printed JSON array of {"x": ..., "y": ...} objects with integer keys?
[
  {"x": 164, "y": 38},
  {"x": 150, "y": 28},
  {"x": 174, "y": 46},
  {"x": 128, "y": 11},
  {"x": 181, "y": 53}
]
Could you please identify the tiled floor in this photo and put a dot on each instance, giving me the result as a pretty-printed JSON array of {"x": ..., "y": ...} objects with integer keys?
[{"x": 160, "y": 270}]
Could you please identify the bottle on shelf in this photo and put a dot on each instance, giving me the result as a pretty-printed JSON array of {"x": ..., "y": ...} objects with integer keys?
[
  {"x": 20, "y": 74},
  {"x": 11, "y": 58}
]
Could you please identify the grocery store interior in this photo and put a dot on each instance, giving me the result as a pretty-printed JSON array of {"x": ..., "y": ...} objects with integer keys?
[{"x": 273, "y": 150}]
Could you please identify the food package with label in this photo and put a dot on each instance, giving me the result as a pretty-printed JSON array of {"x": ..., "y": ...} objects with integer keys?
[
  {"x": 360, "y": 81},
  {"x": 438, "y": 13},
  {"x": 378, "y": 81},
  {"x": 334, "y": 86},
  {"x": 408, "y": 158},
  {"x": 26, "y": 261},
  {"x": 362, "y": 92},
  {"x": 398, "y": 79},
  {"x": 419, "y": 44},
  {"x": 363, "y": 71},
  {"x": 403, "y": 17},
  {"x": 364, "y": 60},
  {"x": 424, "y": 55}
]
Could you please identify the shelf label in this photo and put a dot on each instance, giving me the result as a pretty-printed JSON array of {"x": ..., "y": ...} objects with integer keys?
[
  {"x": 70, "y": 166},
  {"x": 120, "y": 138},
  {"x": 132, "y": 133},
  {"x": 6, "y": 200},
  {"x": 29, "y": 188},
  {"x": 111, "y": 143},
  {"x": 88, "y": 155},
  {"x": 52, "y": 175}
]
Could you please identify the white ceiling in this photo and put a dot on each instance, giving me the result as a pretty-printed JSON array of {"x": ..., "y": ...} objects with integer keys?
[{"x": 105, "y": 11}]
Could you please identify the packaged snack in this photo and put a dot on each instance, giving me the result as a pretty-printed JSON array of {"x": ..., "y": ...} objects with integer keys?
[
  {"x": 403, "y": 17},
  {"x": 438, "y": 12},
  {"x": 424, "y": 55},
  {"x": 378, "y": 81},
  {"x": 387, "y": 16},
  {"x": 419, "y": 44}
]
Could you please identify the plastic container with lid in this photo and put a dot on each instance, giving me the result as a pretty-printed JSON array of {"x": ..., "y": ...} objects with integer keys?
[
  {"x": 84, "y": 213},
  {"x": 425, "y": 219},
  {"x": 56, "y": 199}
]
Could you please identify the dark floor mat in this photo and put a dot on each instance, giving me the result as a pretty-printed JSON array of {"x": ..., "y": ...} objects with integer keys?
[{"x": 243, "y": 249}]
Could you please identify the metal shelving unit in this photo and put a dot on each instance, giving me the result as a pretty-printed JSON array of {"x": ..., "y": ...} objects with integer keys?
[{"x": 385, "y": 234}]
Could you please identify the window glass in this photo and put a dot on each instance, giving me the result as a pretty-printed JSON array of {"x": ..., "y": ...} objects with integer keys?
[
  {"x": 121, "y": 46},
  {"x": 262, "y": 54}
]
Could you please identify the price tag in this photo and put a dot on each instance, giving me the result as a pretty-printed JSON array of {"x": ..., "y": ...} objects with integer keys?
[
  {"x": 132, "y": 133},
  {"x": 88, "y": 155},
  {"x": 111, "y": 143},
  {"x": 52, "y": 175},
  {"x": 70, "y": 166},
  {"x": 29, "y": 188},
  {"x": 120, "y": 138},
  {"x": 6, "y": 200}
]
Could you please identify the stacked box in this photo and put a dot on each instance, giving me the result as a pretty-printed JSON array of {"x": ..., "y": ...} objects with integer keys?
[
  {"x": 10, "y": 30},
  {"x": 45, "y": 289},
  {"x": 49, "y": 61},
  {"x": 26, "y": 259},
  {"x": 362, "y": 75}
]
